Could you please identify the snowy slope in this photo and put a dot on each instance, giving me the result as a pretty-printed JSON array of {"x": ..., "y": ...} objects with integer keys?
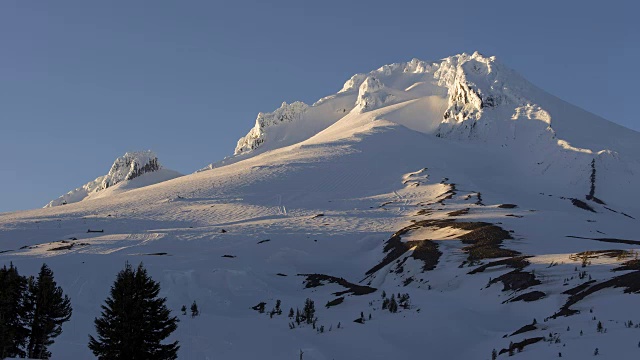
[
  {"x": 483, "y": 216},
  {"x": 132, "y": 170}
]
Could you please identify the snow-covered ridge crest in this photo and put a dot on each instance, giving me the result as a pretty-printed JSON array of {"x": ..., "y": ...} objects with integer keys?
[
  {"x": 130, "y": 166},
  {"x": 286, "y": 113},
  {"x": 469, "y": 81},
  {"x": 127, "y": 167},
  {"x": 465, "y": 97}
]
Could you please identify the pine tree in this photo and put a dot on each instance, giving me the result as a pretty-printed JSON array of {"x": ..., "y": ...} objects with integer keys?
[
  {"x": 494, "y": 354},
  {"x": 291, "y": 313},
  {"x": 51, "y": 309},
  {"x": 599, "y": 327},
  {"x": 134, "y": 321},
  {"x": 194, "y": 309},
  {"x": 184, "y": 309},
  {"x": 393, "y": 305},
  {"x": 277, "y": 309},
  {"x": 15, "y": 309},
  {"x": 309, "y": 311}
]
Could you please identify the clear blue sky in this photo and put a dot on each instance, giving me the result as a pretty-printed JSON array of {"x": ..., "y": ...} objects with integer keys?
[{"x": 82, "y": 82}]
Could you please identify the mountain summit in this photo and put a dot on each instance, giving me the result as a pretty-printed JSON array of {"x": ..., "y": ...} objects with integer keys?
[
  {"x": 130, "y": 166},
  {"x": 459, "y": 97}
]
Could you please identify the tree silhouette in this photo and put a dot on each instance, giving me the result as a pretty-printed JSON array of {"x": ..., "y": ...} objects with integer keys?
[{"x": 134, "y": 320}]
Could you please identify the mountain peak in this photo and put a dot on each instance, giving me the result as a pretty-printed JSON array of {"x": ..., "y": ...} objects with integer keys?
[
  {"x": 128, "y": 167},
  {"x": 464, "y": 97}
]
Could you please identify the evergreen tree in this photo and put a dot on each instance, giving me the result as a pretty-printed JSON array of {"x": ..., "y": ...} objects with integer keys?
[
  {"x": 393, "y": 305},
  {"x": 494, "y": 354},
  {"x": 194, "y": 309},
  {"x": 184, "y": 309},
  {"x": 277, "y": 309},
  {"x": 385, "y": 304},
  {"x": 15, "y": 309},
  {"x": 134, "y": 320},
  {"x": 309, "y": 311},
  {"x": 51, "y": 309},
  {"x": 291, "y": 313},
  {"x": 599, "y": 327}
]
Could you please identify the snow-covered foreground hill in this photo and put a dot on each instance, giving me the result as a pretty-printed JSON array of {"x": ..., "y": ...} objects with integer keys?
[{"x": 456, "y": 182}]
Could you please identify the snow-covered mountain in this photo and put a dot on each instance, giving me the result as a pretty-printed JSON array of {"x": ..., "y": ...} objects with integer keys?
[
  {"x": 132, "y": 170},
  {"x": 507, "y": 215}
]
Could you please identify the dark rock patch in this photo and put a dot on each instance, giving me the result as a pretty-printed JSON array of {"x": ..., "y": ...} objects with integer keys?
[
  {"x": 581, "y": 204},
  {"x": 578, "y": 288},
  {"x": 522, "y": 344},
  {"x": 629, "y": 265},
  {"x": 507, "y": 206},
  {"x": 449, "y": 194},
  {"x": 516, "y": 280},
  {"x": 517, "y": 262},
  {"x": 334, "y": 302},
  {"x": 259, "y": 307},
  {"x": 228, "y": 256},
  {"x": 315, "y": 280},
  {"x": 157, "y": 254},
  {"x": 459, "y": 212},
  {"x": 63, "y": 247},
  {"x": 424, "y": 212},
  {"x": 95, "y": 231},
  {"x": 528, "y": 297},
  {"x": 630, "y": 282},
  {"x": 608, "y": 240},
  {"x": 524, "y": 329},
  {"x": 425, "y": 250},
  {"x": 264, "y": 241},
  {"x": 485, "y": 240}
]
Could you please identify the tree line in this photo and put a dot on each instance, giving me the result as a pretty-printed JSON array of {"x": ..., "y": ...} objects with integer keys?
[
  {"x": 32, "y": 311},
  {"x": 133, "y": 323}
]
